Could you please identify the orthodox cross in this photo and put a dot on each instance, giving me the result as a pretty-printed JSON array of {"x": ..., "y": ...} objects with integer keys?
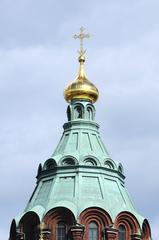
[{"x": 81, "y": 36}]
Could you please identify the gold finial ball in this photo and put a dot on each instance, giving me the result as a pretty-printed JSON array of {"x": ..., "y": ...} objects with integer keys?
[{"x": 81, "y": 89}]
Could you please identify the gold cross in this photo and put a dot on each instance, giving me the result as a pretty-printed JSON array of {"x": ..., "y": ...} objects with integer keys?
[{"x": 81, "y": 36}]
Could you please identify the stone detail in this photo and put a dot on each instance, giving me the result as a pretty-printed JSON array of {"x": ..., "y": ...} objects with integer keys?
[
  {"x": 136, "y": 236},
  {"x": 77, "y": 232},
  {"x": 111, "y": 233}
]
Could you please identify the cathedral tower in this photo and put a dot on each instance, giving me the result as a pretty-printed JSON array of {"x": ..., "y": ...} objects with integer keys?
[{"x": 80, "y": 192}]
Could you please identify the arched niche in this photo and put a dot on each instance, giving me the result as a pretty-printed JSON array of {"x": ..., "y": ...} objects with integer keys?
[
  {"x": 50, "y": 164},
  {"x": 78, "y": 111},
  {"x": 90, "y": 162},
  {"x": 109, "y": 164},
  {"x": 68, "y": 161},
  {"x": 59, "y": 216},
  {"x": 98, "y": 217},
  {"x": 29, "y": 226},
  {"x": 129, "y": 222},
  {"x": 90, "y": 112}
]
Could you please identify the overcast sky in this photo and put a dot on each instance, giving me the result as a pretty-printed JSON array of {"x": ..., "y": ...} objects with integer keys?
[{"x": 38, "y": 57}]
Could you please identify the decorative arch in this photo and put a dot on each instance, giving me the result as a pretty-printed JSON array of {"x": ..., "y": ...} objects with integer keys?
[
  {"x": 130, "y": 223},
  {"x": 50, "y": 164},
  {"x": 68, "y": 161},
  {"x": 146, "y": 231},
  {"x": 56, "y": 216},
  {"x": 29, "y": 225},
  {"x": 78, "y": 111},
  {"x": 109, "y": 164},
  {"x": 90, "y": 112},
  {"x": 90, "y": 160},
  {"x": 98, "y": 216}
]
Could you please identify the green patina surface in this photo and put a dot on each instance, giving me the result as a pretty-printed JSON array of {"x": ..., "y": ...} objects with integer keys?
[{"x": 80, "y": 173}]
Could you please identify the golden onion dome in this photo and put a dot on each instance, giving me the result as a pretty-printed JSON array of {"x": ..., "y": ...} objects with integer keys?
[{"x": 81, "y": 88}]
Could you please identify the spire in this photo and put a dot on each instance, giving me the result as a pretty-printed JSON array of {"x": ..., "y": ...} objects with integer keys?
[{"x": 81, "y": 88}]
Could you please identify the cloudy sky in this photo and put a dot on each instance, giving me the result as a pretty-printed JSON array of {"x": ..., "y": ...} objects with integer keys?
[{"x": 38, "y": 57}]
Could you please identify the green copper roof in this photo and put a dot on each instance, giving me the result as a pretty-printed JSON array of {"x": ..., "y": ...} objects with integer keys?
[
  {"x": 80, "y": 188},
  {"x": 81, "y": 138},
  {"x": 80, "y": 173}
]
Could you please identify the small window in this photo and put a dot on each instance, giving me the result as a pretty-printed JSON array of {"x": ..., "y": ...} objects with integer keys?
[
  {"x": 90, "y": 113},
  {"x": 122, "y": 233},
  {"x": 109, "y": 164},
  {"x": 50, "y": 164},
  {"x": 68, "y": 162},
  {"x": 90, "y": 162},
  {"x": 78, "y": 112},
  {"x": 61, "y": 231},
  {"x": 93, "y": 231}
]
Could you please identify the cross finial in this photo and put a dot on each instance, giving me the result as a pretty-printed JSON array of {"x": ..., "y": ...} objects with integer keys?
[{"x": 81, "y": 36}]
